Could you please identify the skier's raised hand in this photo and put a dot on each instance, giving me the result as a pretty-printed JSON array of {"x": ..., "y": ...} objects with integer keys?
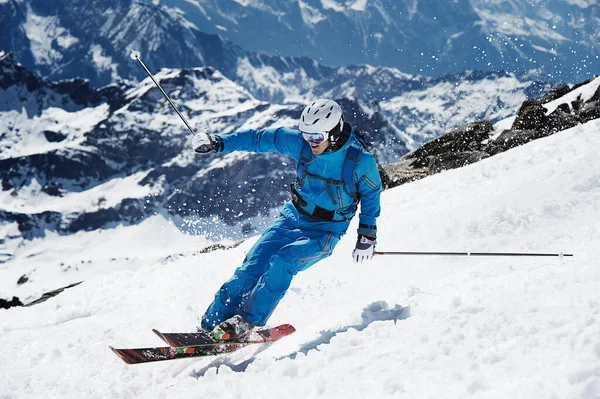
[
  {"x": 364, "y": 249},
  {"x": 204, "y": 143}
]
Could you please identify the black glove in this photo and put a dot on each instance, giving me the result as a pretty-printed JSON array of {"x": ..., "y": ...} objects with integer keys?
[
  {"x": 364, "y": 249},
  {"x": 204, "y": 143}
]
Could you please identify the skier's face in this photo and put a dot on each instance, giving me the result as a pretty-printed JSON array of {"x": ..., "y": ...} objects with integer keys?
[{"x": 319, "y": 148}]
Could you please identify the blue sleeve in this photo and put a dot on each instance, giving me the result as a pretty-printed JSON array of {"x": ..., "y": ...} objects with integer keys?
[
  {"x": 282, "y": 140},
  {"x": 369, "y": 189}
]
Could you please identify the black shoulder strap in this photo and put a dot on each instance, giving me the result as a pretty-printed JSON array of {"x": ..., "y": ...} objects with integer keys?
[
  {"x": 348, "y": 167},
  {"x": 305, "y": 158}
]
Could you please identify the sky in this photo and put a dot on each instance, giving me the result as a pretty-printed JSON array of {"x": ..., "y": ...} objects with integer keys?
[{"x": 394, "y": 327}]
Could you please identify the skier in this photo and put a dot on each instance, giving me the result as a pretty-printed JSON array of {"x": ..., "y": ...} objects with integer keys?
[{"x": 334, "y": 174}]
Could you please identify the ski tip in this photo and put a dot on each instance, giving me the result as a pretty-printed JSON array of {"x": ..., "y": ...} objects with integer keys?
[
  {"x": 116, "y": 352},
  {"x": 285, "y": 329},
  {"x": 160, "y": 335},
  {"x": 288, "y": 327}
]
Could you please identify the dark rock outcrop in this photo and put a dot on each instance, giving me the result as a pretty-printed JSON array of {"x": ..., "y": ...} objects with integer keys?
[
  {"x": 511, "y": 138},
  {"x": 455, "y": 149},
  {"x": 470, "y": 143},
  {"x": 5, "y": 304}
]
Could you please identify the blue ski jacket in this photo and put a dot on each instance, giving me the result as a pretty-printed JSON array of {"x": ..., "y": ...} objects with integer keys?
[{"x": 320, "y": 187}]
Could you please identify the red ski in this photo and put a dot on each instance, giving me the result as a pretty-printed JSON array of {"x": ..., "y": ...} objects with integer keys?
[{"x": 156, "y": 354}]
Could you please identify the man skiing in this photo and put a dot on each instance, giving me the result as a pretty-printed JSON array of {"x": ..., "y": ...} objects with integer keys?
[{"x": 334, "y": 174}]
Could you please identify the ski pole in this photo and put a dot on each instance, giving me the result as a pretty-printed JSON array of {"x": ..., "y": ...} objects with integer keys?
[
  {"x": 135, "y": 55},
  {"x": 560, "y": 254}
]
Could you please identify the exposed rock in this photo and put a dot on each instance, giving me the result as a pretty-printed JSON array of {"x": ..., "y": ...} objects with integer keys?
[
  {"x": 402, "y": 172},
  {"x": 559, "y": 120},
  {"x": 463, "y": 139},
  {"x": 469, "y": 144},
  {"x": 385, "y": 178},
  {"x": 596, "y": 96},
  {"x": 590, "y": 111},
  {"x": 4, "y": 304},
  {"x": 215, "y": 247},
  {"x": 455, "y": 160},
  {"x": 531, "y": 116},
  {"x": 54, "y": 137},
  {"x": 52, "y": 293},
  {"x": 555, "y": 93},
  {"x": 511, "y": 138},
  {"x": 455, "y": 149}
]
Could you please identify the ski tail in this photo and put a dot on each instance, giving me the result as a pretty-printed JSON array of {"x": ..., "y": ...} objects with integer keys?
[
  {"x": 157, "y": 354},
  {"x": 185, "y": 339}
]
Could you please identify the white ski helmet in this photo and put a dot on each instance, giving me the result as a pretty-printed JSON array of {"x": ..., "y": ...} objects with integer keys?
[{"x": 321, "y": 116}]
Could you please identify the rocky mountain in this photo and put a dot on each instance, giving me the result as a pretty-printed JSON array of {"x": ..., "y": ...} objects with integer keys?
[
  {"x": 78, "y": 158},
  {"x": 75, "y": 38},
  {"x": 68, "y": 39},
  {"x": 73, "y": 157},
  {"x": 423, "y": 37},
  {"x": 562, "y": 108},
  {"x": 49, "y": 39}
]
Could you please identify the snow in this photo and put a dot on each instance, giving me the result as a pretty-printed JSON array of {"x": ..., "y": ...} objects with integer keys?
[
  {"x": 31, "y": 199},
  {"x": 359, "y": 5},
  {"x": 506, "y": 24},
  {"x": 42, "y": 32},
  {"x": 29, "y": 138},
  {"x": 333, "y": 5},
  {"x": 103, "y": 62},
  {"x": 57, "y": 261},
  {"x": 585, "y": 92},
  {"x": 545, "y": 50},
  {"x": 244, "y": 3},
  {"x": 582, "y": 3},
  {"x": 310, "y": 15},
  {"x": 451, "y": 327},
  {"x": 288, "y": 87}
]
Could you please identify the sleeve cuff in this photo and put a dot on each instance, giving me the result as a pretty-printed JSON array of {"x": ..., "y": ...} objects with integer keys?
[
  {"x": 219, "y": 143},
  {"x": 367, "y": 230}
]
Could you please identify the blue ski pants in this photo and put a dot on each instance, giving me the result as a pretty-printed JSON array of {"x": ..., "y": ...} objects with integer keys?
[{"x": 257, "y": 286}]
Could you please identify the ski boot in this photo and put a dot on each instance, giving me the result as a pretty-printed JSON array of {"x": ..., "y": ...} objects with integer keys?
[{"x": 232, "y": 329}]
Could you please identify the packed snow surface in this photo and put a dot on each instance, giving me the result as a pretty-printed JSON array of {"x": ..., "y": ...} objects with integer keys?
[{"x": 397, "y": 326}]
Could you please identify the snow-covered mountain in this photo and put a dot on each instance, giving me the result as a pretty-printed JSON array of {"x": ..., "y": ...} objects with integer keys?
[
  {"x": 434, "y": 38},
  {"x": 416, "y": 327},
  {"x": 77, "y": 158},
  {"x": 49, "y": 39},
  {"x": 68, "y": 39},
  {"x": 76, "y": 38},
  {"x": 68, "y": 151}
]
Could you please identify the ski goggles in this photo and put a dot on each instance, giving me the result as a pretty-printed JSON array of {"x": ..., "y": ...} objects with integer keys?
[{"x": 315, "y": 138}]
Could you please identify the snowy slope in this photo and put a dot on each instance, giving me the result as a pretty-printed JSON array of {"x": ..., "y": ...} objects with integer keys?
[{"x": 417, "y": 327}]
